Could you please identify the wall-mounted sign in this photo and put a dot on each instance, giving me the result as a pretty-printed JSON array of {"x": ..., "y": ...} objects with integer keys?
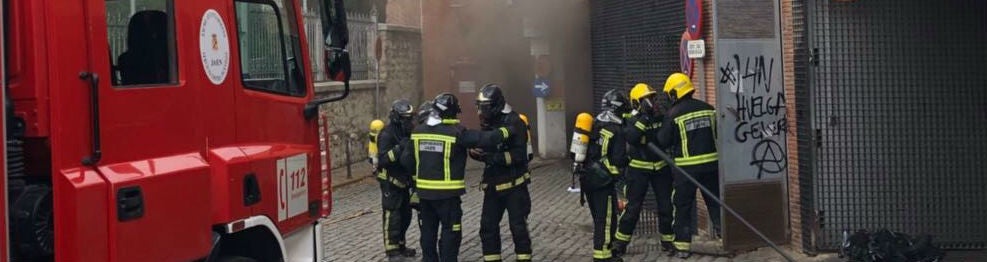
[
  {"x": 696, "y": 48},
  {"x": 694, "y": 18},
  {"x": 541, "y": 87},
  {"x": 555, "y": 104}
]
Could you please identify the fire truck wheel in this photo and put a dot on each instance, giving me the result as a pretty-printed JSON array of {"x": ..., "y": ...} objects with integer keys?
[
  {"x": 33, "y": 225},
  {"x": 237, "y": 259}
]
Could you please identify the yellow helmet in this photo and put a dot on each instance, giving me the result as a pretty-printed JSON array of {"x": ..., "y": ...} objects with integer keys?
[
  {"x": 678, "y": 85},
  {"x": 640, "y": 91}
]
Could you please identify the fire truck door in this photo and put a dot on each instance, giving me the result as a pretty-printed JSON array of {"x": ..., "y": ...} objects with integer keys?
[
  {"x": 3, "y": 126},
  {"x": 148, "y": 129}
]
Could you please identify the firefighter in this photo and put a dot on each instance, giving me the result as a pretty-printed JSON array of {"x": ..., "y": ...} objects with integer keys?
[
  {"x": 438, "y": 153},
  {"x": 645, "y": 169},
  {"x": 689, "y": 133},
  {"x": 395, "y": 180},
  {"x": 606, "y": 159},
  {"x": 505, "y": 177}
]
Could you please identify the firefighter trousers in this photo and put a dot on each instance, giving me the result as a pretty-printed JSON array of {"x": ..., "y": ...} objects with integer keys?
[
  {"x": 517, "y": 202},
  {"x": 396, "y": 215},
  {"x": 603, "y": 207},
  {"x": 446, "y": 214},
  {"x": 637, "y": 181},
  {"x": 684, "y": 198}
]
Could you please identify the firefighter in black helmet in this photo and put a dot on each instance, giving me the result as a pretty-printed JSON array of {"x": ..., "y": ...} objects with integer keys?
[
  {"x": 438, "y": 156},
  {"x": 395, "y": 180},
  {"x": 505, "y": 177},
  {"x": 606, "y": 160},
  {"x": 646, "y": 169},
  {"x": 689, "y": 134}
]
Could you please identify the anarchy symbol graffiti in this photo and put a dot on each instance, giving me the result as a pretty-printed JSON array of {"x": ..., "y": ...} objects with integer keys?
[{"x": 769, "y": 157}]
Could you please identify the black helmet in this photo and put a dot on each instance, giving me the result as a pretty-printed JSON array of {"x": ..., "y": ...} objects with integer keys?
[
  {"x": 490, "y": 101},
  {"x": 447, "y": 105},
  {"x": 401, "y": 113},
  {"x": 423, "y": 111},
  {"x": 616, "y": 101}
]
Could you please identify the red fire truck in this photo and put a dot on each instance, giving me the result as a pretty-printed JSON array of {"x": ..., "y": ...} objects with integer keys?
[{"x": 164, "y": 130}]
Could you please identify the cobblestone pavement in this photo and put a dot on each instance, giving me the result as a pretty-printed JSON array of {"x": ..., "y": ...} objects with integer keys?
[{"x": 560, "y": 228}]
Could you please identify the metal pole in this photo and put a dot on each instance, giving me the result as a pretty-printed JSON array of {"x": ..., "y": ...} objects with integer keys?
[
  {"x": 671, "y": 162},
  {"x": 349, "y": 172}
]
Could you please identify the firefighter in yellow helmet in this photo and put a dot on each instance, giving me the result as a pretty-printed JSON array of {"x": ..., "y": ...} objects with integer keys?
[
  {"x": 689, "y": 134},
  {"x": 645, "y": 169}
]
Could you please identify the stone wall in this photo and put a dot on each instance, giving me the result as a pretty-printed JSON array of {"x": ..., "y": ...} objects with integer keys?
[
  {"x": 349, "y": 119},
  {"x": 401, "y": 64},
  {"x": 400, "y": 74}
]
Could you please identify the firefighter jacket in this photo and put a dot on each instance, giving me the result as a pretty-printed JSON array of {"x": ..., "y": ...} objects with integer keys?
[
  {"x": 689, "y": 134},
  {"x": 506, "y": 161},
  {"x": 639, "y": 131},
  {"x": 389, "y": 144},
  {"x": 607, "y": 154},
  {"x": 438, "y": 152}
]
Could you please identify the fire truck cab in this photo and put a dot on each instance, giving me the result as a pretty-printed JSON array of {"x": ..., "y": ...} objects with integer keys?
[{"x": 164, "y": 130}]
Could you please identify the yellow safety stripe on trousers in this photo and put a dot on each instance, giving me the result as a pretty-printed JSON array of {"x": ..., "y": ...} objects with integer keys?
[
  {"x": 641, "y": 164},
  {"x": 680, "y": 121},
  {"x": 674, "y": 211},
  {"x": 387, "y": 241},
  {"x": 491, "y": 257},
  {"x": 683, "y": 246},
  {"x": 383, "y": 176},
  {"x": 524, "y": 256},
  {"x": 439, "y": 184},
  {"x": 457, "y": 227},
  {"x": 390, "y": 155},
  {"x": 505, "y": 186},
  {"x": 668, "y": 238},
  {"x": 507, "y": 157},
  {"x": 696, "y": 160},
  {"x": 621, "y": 236},
  {"x": 602, "y": 254}
]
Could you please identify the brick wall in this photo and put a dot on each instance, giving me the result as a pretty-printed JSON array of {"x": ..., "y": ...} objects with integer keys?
[
  {"x": 708, "y": 72},
  {"x": 794, "y": 195}
]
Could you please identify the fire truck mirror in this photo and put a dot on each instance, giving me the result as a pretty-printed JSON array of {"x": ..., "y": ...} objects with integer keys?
[{"x": 336, "y": 58}]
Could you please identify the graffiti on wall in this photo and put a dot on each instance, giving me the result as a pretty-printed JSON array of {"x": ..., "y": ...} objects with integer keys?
[{"x": 759, "y": 110}]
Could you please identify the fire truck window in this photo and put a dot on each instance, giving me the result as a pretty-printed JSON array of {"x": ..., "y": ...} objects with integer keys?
[
  {"x": 141, "y": 36},
  {"x": 268, "y": 42}
]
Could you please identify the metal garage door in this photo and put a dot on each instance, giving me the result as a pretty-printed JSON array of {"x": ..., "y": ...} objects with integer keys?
[
  {"x": 898, "y": 117},
  {"x": 634, "y": 41}
]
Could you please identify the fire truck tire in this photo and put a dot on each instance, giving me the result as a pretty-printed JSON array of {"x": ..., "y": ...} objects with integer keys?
[
  {"x": 33, "y": 225},
  {"x": 236, "y": 259}
]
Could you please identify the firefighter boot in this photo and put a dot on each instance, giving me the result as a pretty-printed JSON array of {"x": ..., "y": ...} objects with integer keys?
[
  {"x": 407, "y": 252},
  {"x": 683, "y": 254},
  {"x": 612, "y": 259},
  {"x": 619, "y": 248},
  {"x": 668, "y": 248},
  {"x": 395, "y": 256}
]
